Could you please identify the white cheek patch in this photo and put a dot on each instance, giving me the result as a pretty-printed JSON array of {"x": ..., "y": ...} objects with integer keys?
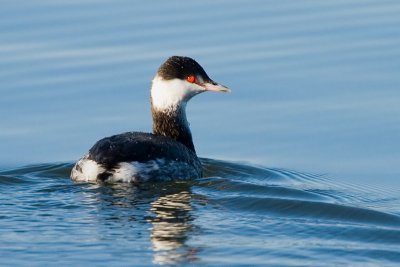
[{"x": 171, "y": 93}]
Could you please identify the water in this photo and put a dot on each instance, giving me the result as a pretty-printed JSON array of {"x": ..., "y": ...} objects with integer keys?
[
  {"x": 313, "y": 118},
  {"x": 237, "y": 214}
]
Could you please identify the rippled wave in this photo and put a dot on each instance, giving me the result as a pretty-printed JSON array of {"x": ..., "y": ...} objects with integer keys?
[{"x": 235, "y": 208}]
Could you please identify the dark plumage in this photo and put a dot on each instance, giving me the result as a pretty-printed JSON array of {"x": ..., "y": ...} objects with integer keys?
[
  {"x": 140, "y": 147},
  {"x": 181, "y": 67},
  {"x": 172, "y": 124},
  {"x": 168, "y": 152}
]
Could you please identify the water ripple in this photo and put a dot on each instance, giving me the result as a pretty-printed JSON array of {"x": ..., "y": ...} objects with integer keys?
[
  {"x": 307, "y": 77},
  {"x": 175, "y": 217}
]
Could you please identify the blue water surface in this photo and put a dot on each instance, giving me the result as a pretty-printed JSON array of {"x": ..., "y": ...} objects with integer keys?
[{"x": 302, "y": 159}]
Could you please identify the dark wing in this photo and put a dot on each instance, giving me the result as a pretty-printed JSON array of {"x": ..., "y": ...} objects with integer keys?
[{"x": 141, "y": 147}]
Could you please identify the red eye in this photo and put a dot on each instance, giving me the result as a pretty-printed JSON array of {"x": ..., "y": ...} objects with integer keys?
[{"x": 191, "y": 78}]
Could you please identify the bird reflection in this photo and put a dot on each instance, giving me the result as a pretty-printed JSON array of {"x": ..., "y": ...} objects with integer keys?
[
  {"x": 166, "y": 207},
  {"x": 170, "y": 228}
]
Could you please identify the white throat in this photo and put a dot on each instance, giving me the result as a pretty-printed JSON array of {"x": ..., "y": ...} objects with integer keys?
[{"x": 170, "y": 94}]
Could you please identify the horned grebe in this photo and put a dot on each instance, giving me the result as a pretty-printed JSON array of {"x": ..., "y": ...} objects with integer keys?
[{"x": 166, "y": 154}]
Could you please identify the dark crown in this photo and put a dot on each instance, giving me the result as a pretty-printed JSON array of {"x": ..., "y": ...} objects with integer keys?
[{"x": 181, "y": 67}]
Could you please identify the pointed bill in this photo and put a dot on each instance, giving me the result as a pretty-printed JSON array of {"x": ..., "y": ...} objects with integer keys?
[{"x": 213, "y": 86}]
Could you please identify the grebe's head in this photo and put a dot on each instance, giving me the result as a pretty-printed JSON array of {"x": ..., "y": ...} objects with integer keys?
[{"x": 179, "y": 79}]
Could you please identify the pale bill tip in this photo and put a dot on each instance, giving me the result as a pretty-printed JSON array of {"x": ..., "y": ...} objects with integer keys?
[{"x": 216, "y": 87}]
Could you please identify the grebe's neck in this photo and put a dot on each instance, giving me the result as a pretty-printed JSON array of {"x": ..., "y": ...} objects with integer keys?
[
  {"x": 168, "y": 106},
  {"x": 172, "y": 123}
]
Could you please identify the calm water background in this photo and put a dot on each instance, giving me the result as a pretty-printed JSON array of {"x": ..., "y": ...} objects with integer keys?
[{"x": 315, "y": 90}]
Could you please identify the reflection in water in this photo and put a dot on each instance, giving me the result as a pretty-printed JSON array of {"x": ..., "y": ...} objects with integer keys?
[
  {"x": 170, "y": 228},
  {"x": 247, "y": 216},
  {"x": 169, "y": 205}
]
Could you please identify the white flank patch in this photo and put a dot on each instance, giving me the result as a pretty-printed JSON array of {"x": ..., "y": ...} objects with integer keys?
[
  {"x": 86, "y": 170},
  {"x": 125, "y": 173},
  {"x": 131, "y": 172},
  {"x": 166, "y": 94}
]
